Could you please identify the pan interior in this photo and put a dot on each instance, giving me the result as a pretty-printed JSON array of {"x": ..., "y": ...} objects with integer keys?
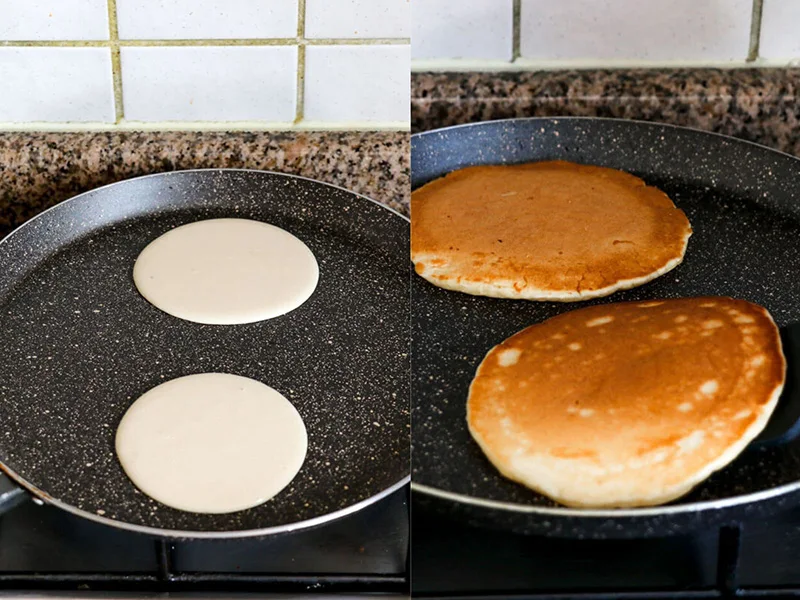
[
  {"x": 80, "y": 344},
  {"x": 743, "y": 202}
]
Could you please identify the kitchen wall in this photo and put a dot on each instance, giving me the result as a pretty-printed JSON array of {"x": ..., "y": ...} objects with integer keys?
[
  {"x": 541, "y": 34},
  {"x": 204, "y": 64}
]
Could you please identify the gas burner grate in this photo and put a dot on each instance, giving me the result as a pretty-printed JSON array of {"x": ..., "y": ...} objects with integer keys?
[
  {"x": 46, "y": 549},
  {"x": 754, "y": 559}
]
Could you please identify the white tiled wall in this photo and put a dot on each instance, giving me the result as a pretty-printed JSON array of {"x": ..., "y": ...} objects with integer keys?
[
  {"x": 780, "y": 29},
  {"x": 209, "y": 83},
  {"x": 130, "y": 64},
  {"x": 53, "y": 20},
  {"x": 56, "y": 84},
  {"x": 476, "y": 29},
  {"x": 715, "y": 30},
  {"x": 206, "y": 19},
  {"x": 530, "y": 34},
  {"x": 336, "y": 77},
  {"x": 358, "y": 18}
]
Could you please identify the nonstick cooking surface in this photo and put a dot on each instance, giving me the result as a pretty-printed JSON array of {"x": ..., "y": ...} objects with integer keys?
[
  {"x": 80, "y": 345},
  {"x": 743, "y": 202}
]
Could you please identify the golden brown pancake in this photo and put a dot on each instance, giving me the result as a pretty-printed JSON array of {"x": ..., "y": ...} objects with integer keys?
[
  {"x": 544, "y": 231},
  {"x": 628, "y": 404}
]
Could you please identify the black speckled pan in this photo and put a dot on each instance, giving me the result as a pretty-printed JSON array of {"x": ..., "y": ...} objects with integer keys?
[
  {"x": 79, "y": 345},
  {"x": 743, "y": 201}
]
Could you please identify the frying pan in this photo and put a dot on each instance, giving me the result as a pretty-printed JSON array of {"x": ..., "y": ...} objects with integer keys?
[
  {"x": 80, "y": 345},
  {"x": 743, "y": 201}
]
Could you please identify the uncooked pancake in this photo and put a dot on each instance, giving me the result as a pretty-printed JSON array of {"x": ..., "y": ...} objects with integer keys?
[
  {"x": 544, "y": 231},
  {"x": 211, "y": 443},
  {"x": 226, "y": 272},
  {"x": 628, "y": 404}
]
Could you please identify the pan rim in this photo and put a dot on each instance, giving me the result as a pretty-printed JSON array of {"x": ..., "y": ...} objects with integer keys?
[
  {"x": 206, "y": 170},
  {"x": 693, "y": 130},
  {"x": 642, "y": 512},
  {"x": 204, "y": 535},
  {"x": 608, "y": 513},
  {"x": 190, "y": 534}
]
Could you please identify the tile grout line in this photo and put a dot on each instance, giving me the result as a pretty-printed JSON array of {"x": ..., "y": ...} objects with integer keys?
[
  {"x": 207, "y": 42},
  {"x": 357, "y": 41},
  {"x": 116, "y": 63},
  {"x": 114, "y": 43},
  {"x": 755, "y": 31},
  {"x": 269, "y": 126},
  {"x": 516, "y": 43},
  {"x": 300, "y": 98},
  {"x": 55, "y": 43},
  {"x": 534, "y": 64}
]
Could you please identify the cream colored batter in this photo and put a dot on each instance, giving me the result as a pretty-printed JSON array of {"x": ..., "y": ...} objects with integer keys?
[
  {"x": 211, "y": 443},
  {"x": 226, "y": 272}
]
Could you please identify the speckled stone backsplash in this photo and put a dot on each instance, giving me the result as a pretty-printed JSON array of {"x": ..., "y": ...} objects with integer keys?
[
  {"x": 38, "y": 170},
  {"x": 759, "y": 105}
]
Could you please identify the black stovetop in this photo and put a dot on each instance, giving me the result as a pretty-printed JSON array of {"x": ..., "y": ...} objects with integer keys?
[
  {"x": 754, "y": 558},
  {"x": 44, "y": 548}
]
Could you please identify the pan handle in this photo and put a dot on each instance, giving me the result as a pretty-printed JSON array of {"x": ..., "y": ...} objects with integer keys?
[{"x": 11, "y": 495}]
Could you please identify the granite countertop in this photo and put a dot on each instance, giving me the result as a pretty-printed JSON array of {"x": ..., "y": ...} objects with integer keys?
[
  {"x": 38, "y": 170},
  {"x": 758, "y": 105}
]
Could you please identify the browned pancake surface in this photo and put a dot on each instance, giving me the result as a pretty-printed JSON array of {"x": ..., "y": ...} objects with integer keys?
[
  {"x": 543, "y": 228},
  {"x": 627, "y": 404}
]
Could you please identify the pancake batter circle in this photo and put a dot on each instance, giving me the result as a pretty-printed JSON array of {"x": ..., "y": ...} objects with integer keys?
[
  {"x": 211, "y": 443},
  {"x": 226, "y": 272}
]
